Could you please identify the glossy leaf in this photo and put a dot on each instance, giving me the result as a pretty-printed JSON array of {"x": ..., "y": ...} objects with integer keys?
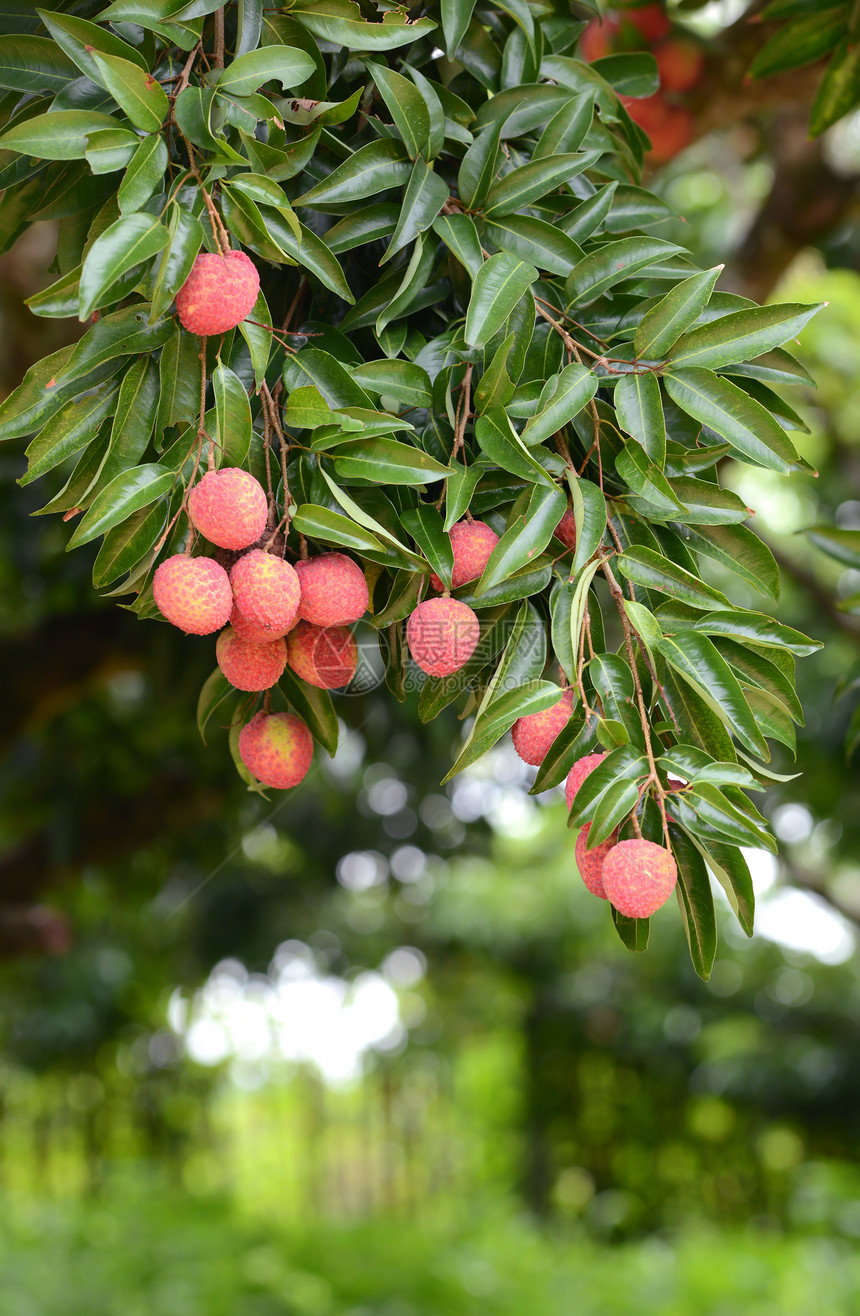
[
  {"x": 137, "y": 93},
  {"x": 499, "y": 285},
  {"x": 615, "y": 261},
  {"x": 127, "y": 242},
  {"x": 563, "y": 398},
  {"x": 726, "y": 409},
  {"x": 127, "y": 493},
  {"x": 525, "y": 539},
  {"x": 662, "y": 326},
  {"x": 643, "y": 566},
  {"x": 741, "y": 335}
]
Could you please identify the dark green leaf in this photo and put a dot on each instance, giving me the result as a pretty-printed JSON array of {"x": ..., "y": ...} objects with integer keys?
[
  {"x": 652, "y": 570},
  {"x": 125, "y": 243},
  {"x": 837, "y": 91},
  {"x": 662, "y": 326},
  {"x": 697, "y": 660},
  {"x": 499, "y": 285},
  {"x": 741, "y": 421},
  {"x": 696, "y": 902},
  {"x": 613, "y": 262},
  {"x": 62, "y": 135},
  {"x": 136, "y": 92},
  {"x": 527, "y": 537},
  {"x": 741, "y": 335},
  {"x": 529, "y": 182},
  {"x": 314, "y": 707},
  {"x": 370, "y": 170},
  {"x": 127, "y": 493}
]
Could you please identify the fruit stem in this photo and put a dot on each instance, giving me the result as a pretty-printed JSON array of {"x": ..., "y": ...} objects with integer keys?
[
  {"x": 201, "y": 426},
  {"x": 218, "y": 57}
]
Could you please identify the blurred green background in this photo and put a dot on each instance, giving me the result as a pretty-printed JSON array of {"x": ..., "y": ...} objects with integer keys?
[{"x": 372, "y": 1049}]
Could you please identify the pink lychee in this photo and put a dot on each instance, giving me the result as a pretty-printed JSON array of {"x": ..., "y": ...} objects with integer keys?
[
  {"x": 193, "y": 593},
  {"x": 277, "y": 749},
  {"x": 533, "y": 734},
  {"x": 578, "y": 773},
  {"x": 266, "y": 590},
  {"x": 566, "y": 529},
  {"x": 253, "y": 631},
  {"x": 638, "y": 877},
  {"x": 334, "y": 590},
  {"x": 229, "y": 508},
  {"x": 442, "y": 635},
  {"x": 218, "y": 293},
  {"x": 323, "y": 656},
  {"x": 250, "y": 666},
  {"x": 472, "y": 543},
  {"x": 590, "y": 862}
]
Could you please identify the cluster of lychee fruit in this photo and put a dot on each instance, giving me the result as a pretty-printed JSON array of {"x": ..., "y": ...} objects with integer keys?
[{"x": 680, "y": 62}]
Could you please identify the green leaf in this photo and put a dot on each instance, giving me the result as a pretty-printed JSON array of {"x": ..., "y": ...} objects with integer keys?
[
  {"x": 494, "y": 387},
  {"x": 134, "y": 418},
  {"x": 62, "y": 135},
  {"x": 67, "y": 432},
  {"x": 693, "y": 718},
  {"x": 652, "y": 570},
  {"x": 127, "y": 493},
  {"x": 842, "y": 545},
  {"x": 756, "y": 627},
  {"x": 533, "y": 240},
  {"x": 633, "y": 932},
  {"x": 584, "y": 220},
  {"x": 333, "y": 528},
  {"x": 123, "y": 333},
  {"x": 613, "y": 262},
  {"x": 567, "y": 128},
  {"x": 753, "y": 669},
  {"x": 640, "y": 412},
  {"x": 706, "y": 503},
  {"x": 529, "y": 182},
  {"x": 662, "y": 326},
  {"x": 731, "y": 413},
  {"x": 459, "y": 488},
  {"x": 738, "y": 549},
  {"x": 499, "y": 441},
  {"x": 456, "y": 16},
  {"x": 499, "y": 285},
  {"x": 425, "y": 195},
  {"x": 233, "y": 413},
  {"x": 314, "y": 707},
  {"x": 310, "y": 251},
  {"x": 341, "y": 22},
  {"x": 110, "y": 149},
  {"x": 696, "y": 902},
  {"x": 616, "y": 804},
  {"x": 144, "y": 173},
  {"x": 627, "y": 763},
  {"x": 460, "y": 236},
  {"x": 216, "y": 689},
  {"x": 741, "y": 335},
  {"x": 425, "y": 526},
  {"x": 696, "y": 659},
  {"x": 334, "y": 381},
  {"x": 370, "y": 170},
  {"x": 385, "y": 461},
  {"x": 402, "y": 380},
  {"x": 127, "y": 544},
  {"x": 34, "y": 64},
  {"x": 137, "y": 93},
  {"x": 527, "y": 537},
  {"x": 645, "y": 477},
  {"x": 479, "y": 166},
  {"x": 589, "y": 514},
  {"x": 406, "y": 107},
  {"x": 125, "y": 243},
  {"x": 563, "y": 397},
  {"x": 185, "y": 238},
  {"x": 837, "y": 91},
  {"x": 281, "y": 64},
  {"x": 572, "y": 742},
  {"x": 81, "y": 41}
]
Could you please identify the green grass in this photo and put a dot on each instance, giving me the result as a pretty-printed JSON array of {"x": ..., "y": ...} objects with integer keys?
[{"x": 158, "y": 1255}]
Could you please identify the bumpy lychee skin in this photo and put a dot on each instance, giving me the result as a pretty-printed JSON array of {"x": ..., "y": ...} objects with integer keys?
[
  {"x": 680, "y": 64},
  {"x": 218, "y": 293},
  {"x": 266, "y": 590},
  {"x": 324, "y": 656},
  {"x": 250, "y": 666},
  {"x": 334, "y": 590},
  {"x": 566, "y": 529},
  {"x": 533, "y": 734},
  {"x": 277, "y": 749},
  {"x": 193, "y": 593},
  {"x": 229, "y": 508},
  {"x": 578, "y": 773},
  {"x": 442, "y": 635},
  {"x": 638, "y": 877},
  {"x": 590, "y": 862},
  {"x": 253, "y": 631},
  {"x": 472, "y": 542}
]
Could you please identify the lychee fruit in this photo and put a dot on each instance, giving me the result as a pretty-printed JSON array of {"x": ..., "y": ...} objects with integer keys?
[
  {"x": 566, "y": 529},
  {"x": 598, "y": 38},
  {"x": 250, "y": 666},
  {"x": 334, "y": 590},
  {"x": 442, "y": 635},
  {"x": 277, "y": 749},
  {"x": 323, "y": 656},
  {"x": 680, "y": 64},
  {"x": 266, "y": 590},
  {"x": 651, "y": 21},
  {"x": 638, "y": 877},
  {"x": 229, "y": 508},
  {"x": 670, "y": 127},
  {"x": 472, "y": 543},
  {"x": 218, "y": 293},
  {"x": 193, "y": 593},
  {"x": 533, "y": 734},
  {"x": 590, "y": 862},
  {"x": 578, "y": 773},
  {"x": 252, "y": 630}
]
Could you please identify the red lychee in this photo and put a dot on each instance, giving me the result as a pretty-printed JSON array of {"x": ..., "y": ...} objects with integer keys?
[
  {"x": 442, "y": 635},
  {"x": 323, "y": 656},
  {"x": 250, "y": 666},
  {"x": 253, "y": 631},
  {"x": 566, "y": 529},
  {"x": 472, "y": 542},
  {"x": 670, "y": 127},
  {"x": 193, "y": 593},
  {"x": 533, "y": 734},
  {"x": 578, "y": 773},
  {"x": 679, "y": 63},
  {"x": 266, "y": 589},
  {"x": 638, "y": 877},
  {"x": 590, "y": 862},
  {"x": 229, "y": 508},
  {"x": 334, "y": 590},
  {"x": 277, "y": 749},
  {"x": 598, "y": 38},
  {"x": 218, "y": 293},
  {"x": 651, "y": 20}
]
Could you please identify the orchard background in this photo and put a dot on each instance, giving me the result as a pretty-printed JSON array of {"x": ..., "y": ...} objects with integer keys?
[{"x": 370, "y": 1045}]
